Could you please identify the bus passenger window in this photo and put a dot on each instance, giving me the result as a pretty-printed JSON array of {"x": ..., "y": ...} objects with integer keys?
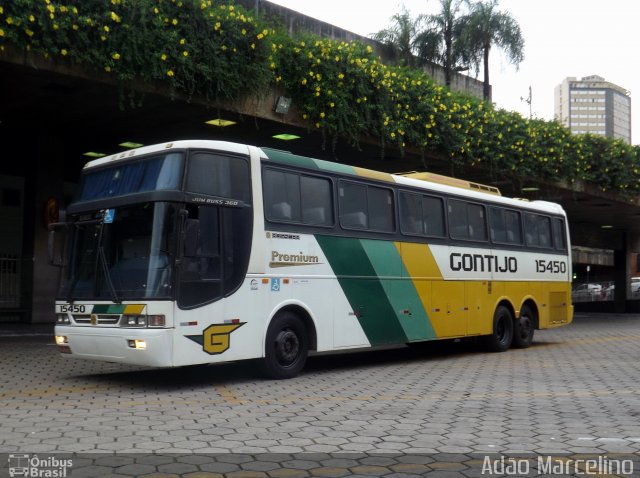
[
  {"x": 505, "y": 226},
  {"x": 433, "y": 213},
  {"x": 353, "y": 205},
  {"x": 317, "y": 204},
  {"x": 467, "y": 221},
  {"x": 537, "y": 230},
  {"x": 458, "y": 224},
  {"x": 381, "y": 212},
  {"x": 477, "y": 225},
  {"x": 281, "y": 196},
  {"x": 411, "y": 213},
  {"x": 497, "y": 226},
  {"x": 558, "y": 234}
]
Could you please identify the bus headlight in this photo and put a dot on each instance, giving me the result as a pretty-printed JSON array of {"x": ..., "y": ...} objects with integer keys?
[
  {"x": 62, "y": 340},
  {"x": 62, "y": 319},
  {"x": 134, "y": 320},
  {"x": 143, "y": 320}
]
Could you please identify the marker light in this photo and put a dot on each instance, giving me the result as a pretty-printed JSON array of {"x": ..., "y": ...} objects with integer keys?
[{"x": 155, "y": 320}]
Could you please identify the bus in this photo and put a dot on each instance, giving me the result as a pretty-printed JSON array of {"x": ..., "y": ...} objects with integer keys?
[{"x": 196, "y": 252}]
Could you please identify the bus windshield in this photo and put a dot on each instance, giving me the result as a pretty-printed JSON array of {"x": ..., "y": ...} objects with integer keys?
[
  {"x": 161, "y": 172},
  {"x": 127, "y": 255}
]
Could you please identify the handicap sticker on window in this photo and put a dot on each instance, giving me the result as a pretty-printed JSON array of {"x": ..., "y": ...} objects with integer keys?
[
  {"x": 109, "y": 215},
  {"x": 275, "y": 285}
]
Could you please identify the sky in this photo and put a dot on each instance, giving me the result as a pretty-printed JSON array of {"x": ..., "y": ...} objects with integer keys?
[{"x": 563, "y": 38}]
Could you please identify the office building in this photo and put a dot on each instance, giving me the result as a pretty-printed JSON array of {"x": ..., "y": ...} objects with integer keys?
[{"x": 594, "y": 105}]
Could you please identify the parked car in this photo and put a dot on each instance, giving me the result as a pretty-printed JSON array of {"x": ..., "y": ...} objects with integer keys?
[{"x": 586, "y": 292}]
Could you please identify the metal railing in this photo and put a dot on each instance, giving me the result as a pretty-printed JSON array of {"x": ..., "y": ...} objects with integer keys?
[{"x": 10, "y": 272}]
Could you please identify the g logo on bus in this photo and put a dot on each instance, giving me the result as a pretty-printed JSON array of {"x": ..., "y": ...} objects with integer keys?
[
  {"x": 216, "y": 338},
  {"x": 94, "y": 319}
]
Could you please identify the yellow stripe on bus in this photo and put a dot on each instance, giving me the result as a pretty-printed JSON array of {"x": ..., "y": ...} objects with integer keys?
[{"x": 134, "y": 309}]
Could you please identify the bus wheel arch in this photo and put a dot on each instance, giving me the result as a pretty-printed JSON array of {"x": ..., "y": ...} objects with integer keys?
[
  {"x": 289, "y": 337},
  {"x": 525, "y": 325},
  {"x": 503, "y": 326}
]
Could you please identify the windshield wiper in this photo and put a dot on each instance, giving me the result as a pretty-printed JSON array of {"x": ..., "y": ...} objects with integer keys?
[{"x": 107, "y": 275}]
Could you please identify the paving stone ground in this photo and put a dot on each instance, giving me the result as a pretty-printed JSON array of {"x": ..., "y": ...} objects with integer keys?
[{"x": 575, "y": 394}]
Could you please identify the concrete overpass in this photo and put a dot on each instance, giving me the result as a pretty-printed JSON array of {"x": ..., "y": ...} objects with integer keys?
[{"x": 64, "y": 111}]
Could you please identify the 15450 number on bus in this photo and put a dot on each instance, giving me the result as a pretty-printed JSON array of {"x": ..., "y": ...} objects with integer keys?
[
  {"x": 553, "y": 267},
  {"x": 73, "y": 308}
]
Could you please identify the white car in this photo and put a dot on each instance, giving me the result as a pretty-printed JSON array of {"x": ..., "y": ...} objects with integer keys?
[{"x": 586, "y": 292}]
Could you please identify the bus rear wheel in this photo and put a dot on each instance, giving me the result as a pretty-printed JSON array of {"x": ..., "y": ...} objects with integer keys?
[
  {"x": 502, "y": 336},
  {"x": 524, "y": 328},
  {"x": 286, "y": 346}
]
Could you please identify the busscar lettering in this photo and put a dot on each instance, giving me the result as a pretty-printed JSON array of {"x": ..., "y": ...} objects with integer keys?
[
  {"x": 215, "y": 202},
  {"x": 482, "y": 263}
]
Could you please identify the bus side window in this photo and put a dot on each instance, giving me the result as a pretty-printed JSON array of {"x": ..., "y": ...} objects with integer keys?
[
  {"x": 513, "y": 227},
  {"x": 281, "y": 196},
  {"x": 467, "y": 221},
  {"x": 537, "y": 230},
  {"x": 497, "y": 225},
  {"x": 505, "y": 226},
  {"x": 558, "y": 234},
  {"x": 380, "y": 209},
  {"x": 411, "y": 213},
  {"x": 317, "y": 204},
  {"x": 458, "y": 225},
  {"x": 433, "y": 216},
  {"x": 353, "y": 205}
]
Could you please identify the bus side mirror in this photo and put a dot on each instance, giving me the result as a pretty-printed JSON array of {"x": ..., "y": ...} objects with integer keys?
[
  {"x": 55, "y": 247},
  {"x": 191, "y": 229}
]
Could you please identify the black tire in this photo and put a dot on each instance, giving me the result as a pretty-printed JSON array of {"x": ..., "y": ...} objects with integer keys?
[
  {"x": 524, "y": 328},
  {"x": 502, "y": 336},
  {"x": 286, "y": 346}
]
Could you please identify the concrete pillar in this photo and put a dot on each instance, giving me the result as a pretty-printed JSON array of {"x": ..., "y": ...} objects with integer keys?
[
  {"x": 621, "y": 271},
  {"x": 47, "y": 180}
]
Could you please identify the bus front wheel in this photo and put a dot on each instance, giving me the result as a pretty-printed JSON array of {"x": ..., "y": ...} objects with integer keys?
[
  {"x": 524, "y": 328},
  {"x": 500, "y": 339},
  {"x": 286, "y": 346}
]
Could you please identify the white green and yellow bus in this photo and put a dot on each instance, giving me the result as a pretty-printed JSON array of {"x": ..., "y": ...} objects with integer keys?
[{"x": 198, "y": 252}]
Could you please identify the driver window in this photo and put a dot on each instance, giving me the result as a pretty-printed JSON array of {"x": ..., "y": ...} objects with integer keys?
[{"x": 200, "y": 274}]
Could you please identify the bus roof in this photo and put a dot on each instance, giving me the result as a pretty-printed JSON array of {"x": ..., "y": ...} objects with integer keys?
[{"x": 426, "y": 181}]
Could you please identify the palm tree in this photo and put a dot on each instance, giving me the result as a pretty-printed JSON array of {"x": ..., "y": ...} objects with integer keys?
[
  {"x": 400, "y": 36},
  {"x": 483, "y": 27},
  {"x": 438, "y": 42}
]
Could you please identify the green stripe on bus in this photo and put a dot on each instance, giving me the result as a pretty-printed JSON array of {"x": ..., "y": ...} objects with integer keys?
[
  {"x": 291, "y": 159},
  {"x": 108, "y": 309},
  {"x": 400, "y": 290},
  {"x": 335, "y": 167},
  {"x": 363, "y": 288}
]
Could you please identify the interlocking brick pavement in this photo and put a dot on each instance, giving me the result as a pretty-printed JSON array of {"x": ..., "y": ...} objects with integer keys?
[{"x": 574, "y": 392}]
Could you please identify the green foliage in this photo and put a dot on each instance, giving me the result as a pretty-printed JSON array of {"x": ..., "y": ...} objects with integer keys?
[
  {"x": 198, "y": 47},
  {"x": 217, "y": 51}
]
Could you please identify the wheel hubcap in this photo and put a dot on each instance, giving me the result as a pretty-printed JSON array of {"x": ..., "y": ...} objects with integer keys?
[
  {"x": 525, "y": 327},
  {"x": 287, "y": 347}
]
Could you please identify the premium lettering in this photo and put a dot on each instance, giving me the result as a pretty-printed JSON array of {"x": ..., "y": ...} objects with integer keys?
[
  {"x": 279, "y": 259},
  {"x": 482, "y": 263}
]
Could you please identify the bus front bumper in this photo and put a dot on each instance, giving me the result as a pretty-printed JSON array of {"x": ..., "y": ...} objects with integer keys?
[{"x": 148, "y": 347}]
